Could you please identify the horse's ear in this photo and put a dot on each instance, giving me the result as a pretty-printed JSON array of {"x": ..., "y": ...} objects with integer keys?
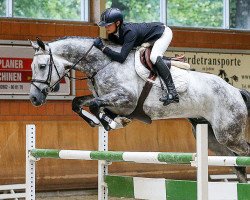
[
  {"x": 34, "y": 45},
  {"x": 40, "y": 43}
]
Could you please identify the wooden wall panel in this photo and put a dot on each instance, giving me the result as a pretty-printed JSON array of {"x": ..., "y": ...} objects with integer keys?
[
  {"x": 15, "y": 29},
  {"x": 217, "y": 39}
]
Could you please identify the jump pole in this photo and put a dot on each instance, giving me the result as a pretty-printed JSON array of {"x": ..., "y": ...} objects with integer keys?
[
  {"x": 140, "y": 157},
  {"x": 202, "y": 161},
  {"x": 30, "y": 162},
  {"x": 102, "y": 164}
]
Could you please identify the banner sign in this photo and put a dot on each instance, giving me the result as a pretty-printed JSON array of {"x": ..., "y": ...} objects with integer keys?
[
  {"x": 16, "y": 74},
  {"x": 234, "y": 68}
]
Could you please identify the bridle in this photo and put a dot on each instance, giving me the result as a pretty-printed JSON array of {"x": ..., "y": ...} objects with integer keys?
[{"x": 47, "y": 82}]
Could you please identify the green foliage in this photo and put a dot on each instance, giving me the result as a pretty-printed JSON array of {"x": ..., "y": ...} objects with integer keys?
[
  {"x": 233, "y": 13},
  {"x": 203, "y": 13},
  {"x": 48, "y": 9},
  {"x": 183, "y": 13},
  {"x": 193, "y": 13},
  {"x": 137, "y": 10},
  {"x": 2, "y": 7}
]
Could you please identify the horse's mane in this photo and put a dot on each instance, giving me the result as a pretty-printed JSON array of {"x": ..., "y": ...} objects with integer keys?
[
  {"x": 106, "y": 41},
  {"x": 71, "y": 37}
]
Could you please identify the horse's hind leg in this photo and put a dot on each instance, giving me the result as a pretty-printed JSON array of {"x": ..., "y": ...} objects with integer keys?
[
  {"x": 218, "y": 149},
  {"x": 213, "y": 144},
  {"x": 232, "y": 136}
]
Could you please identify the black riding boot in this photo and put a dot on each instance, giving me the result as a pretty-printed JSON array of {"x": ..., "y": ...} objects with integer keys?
[{"x": 163, "y": 70}]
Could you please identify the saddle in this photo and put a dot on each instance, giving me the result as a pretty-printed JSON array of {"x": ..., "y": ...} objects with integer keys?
[
  {"x": 145, "y": 60},
  {"x": 178, "y": 61}
]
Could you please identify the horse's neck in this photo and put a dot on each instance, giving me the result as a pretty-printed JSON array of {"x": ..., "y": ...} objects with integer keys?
[
  {"x": 70, "y": 49},
  {"x": 74, "y": 49}
]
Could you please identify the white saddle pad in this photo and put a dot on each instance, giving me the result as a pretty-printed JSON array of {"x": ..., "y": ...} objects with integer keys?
[{"x": 180, "y": 76}]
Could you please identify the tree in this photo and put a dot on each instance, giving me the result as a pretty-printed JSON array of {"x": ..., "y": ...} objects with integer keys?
[
  {"x": 192, "y": 13},
  {"x": 137, "y": 10},
  {"x": 243, "y": 14},
  {"x": 2, "y": 7},
  {"x": 60, "y": 9}
]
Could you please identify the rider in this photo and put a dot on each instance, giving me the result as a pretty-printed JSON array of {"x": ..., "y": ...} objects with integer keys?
[{"x": 130, "y": 35}]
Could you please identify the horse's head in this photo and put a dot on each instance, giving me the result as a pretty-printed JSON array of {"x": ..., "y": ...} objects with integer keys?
[
  {"x": 47, "y": 70},
  {"x": 52, "y": 60}
]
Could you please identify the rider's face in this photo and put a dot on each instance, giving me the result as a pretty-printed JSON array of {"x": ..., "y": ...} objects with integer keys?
[{"x": 112, "y": 28}]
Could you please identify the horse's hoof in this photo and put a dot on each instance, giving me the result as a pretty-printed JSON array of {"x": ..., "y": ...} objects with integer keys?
[{"x": 122, "y": 121}]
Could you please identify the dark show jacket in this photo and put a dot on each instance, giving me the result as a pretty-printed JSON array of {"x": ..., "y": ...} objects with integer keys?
[{"x": 132, "y": 35}]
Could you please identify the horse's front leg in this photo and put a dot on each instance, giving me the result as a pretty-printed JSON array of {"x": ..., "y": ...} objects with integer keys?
[
  {"x": 111, "y": 100},
  {"x": 77, "y": 104},
  {"x": 105, "y": 120}
]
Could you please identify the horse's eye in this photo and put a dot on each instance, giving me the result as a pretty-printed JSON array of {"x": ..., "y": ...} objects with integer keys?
[{"x": 42, "y": 66}]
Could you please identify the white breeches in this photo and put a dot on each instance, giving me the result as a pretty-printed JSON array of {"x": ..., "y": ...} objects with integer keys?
[{"x": 161, "y": 45}]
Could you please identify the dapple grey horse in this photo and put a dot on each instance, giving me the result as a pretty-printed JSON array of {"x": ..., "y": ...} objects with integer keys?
[{"x": 116, "y": 89}]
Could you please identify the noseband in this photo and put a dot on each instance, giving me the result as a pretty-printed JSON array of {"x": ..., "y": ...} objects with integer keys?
[{"x": 47, "y": 82}]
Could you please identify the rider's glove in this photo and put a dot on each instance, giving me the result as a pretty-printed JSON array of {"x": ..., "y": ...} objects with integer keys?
[{"x": 98, "y": 44}]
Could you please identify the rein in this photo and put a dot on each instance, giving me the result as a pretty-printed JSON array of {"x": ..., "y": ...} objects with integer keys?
[{"x": 47, "y": 82}]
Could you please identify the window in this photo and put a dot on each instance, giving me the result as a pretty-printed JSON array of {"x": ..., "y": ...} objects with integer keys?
[
  {"x": 74, "y": 10},
  {"x": 223, "y": 14},
  {"x": 137, "y": 11},
  {"x": 2, "y": 8},
  {"x": 195, "y": 13},
  {"x": 240, "y": 14}
]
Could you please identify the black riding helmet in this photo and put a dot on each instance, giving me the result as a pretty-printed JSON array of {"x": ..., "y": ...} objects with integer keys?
[{"x": 110, "y": 16}]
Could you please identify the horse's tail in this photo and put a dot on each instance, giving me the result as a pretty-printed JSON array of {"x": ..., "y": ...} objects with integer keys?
[{"x": 246, "y": 96}]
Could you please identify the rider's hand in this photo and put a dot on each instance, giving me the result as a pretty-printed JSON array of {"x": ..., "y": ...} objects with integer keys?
[{"x": 98, "y": 44}]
